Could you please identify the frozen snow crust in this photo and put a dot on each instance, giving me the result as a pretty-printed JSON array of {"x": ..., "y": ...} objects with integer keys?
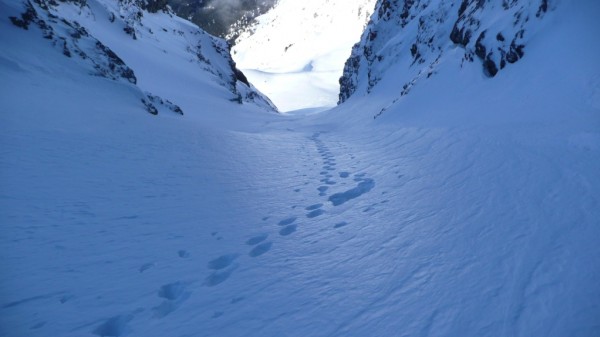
[{"x": 468, "y": 207}]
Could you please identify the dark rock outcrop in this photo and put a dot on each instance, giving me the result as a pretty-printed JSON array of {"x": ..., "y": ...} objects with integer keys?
[
  {"x": 224, "y": 19},
  {"x": 423, "y": 31},
  {"x": 73, "y": 40}
]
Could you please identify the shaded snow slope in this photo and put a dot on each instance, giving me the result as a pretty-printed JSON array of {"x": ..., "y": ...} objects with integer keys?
[
  {"x": 295, "y": 52},
  {"x": 159, "y": 52},
  {"x": 468, "y": 208}
]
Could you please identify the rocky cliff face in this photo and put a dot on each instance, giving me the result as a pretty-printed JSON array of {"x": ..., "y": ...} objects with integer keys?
[
  {"x": 221, "y": 18},
  {"x": 419, "y": 34},
  {"x": 93, "y": 34},
  {"x": 73, "y": 40}
]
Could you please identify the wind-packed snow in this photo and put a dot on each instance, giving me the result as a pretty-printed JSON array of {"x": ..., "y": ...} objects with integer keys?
[
  {"x": 469, "y": 207},
  {"x": 295, "y": 52}
]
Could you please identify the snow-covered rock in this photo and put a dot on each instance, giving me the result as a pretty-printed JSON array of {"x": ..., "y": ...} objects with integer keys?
[
  {"x": 137, "y": 41},
  {"x": 73, "y": 40},
  {"x": 416, "y": 36}
]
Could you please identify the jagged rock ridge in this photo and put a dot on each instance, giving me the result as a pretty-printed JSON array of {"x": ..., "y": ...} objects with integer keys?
[
  {"x": 73, "y": 40},
  {"x": 418, "y": 33},
  {"x": 221, "y": 18},
  {"x": 63, "y": 24}
]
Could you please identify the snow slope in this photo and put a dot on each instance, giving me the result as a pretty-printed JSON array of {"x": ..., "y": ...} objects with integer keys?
[
  {"x": 165, "y": 55},
  {"x": 295, "y": 52},
  {"x": 471, "y": 214}
]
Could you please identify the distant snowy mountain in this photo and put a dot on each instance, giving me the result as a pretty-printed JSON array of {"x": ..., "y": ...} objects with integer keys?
[
  {"x": 410, "y": 40},
  {"x": 137, "y": 42},
  {"x": 294, "y": 53}
]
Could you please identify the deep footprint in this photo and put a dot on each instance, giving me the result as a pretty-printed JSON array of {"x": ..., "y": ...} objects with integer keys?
[
  {"x": 287, "y": 221},
  {"x": 236, "y": 300},
  {"x": 315, "y": 213},
  {"x": 218, "y": 277},
  {"x": 260, "y": 249},
  {"x": 172, "y": 291},
  {"x": 183, "y": 254},
  {"x": 257, "y": 239},
  {"x": 341, "y": 224},
  {"x": 363, "y": 187},
  {"x": 145, "y": 267},
  {"x": 313, "y": 207},
  {"x": 115, "y": 327},
  {"x": 288, "y": 230},
  {"x": 222, "y": 261}
]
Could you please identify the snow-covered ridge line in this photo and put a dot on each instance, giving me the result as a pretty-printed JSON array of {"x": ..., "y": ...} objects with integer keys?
[
  {"x": 121, "y": 39},
  {"x": 419, "y": 34},
  {"x": 73, "y": 40}
]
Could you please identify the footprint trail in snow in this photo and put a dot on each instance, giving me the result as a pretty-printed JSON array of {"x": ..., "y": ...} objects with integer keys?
[{"x": 222, "y": 267}]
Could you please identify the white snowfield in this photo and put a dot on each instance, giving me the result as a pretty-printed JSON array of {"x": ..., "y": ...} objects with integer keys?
[
  {"x": 470, "y": 207},
  {"x": 295, "y": 53}
]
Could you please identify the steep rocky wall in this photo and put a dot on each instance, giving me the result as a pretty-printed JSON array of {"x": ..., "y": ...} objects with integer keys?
[
  {"x": 62, "y": 23},
  {"x": 418, "y": 34}
]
